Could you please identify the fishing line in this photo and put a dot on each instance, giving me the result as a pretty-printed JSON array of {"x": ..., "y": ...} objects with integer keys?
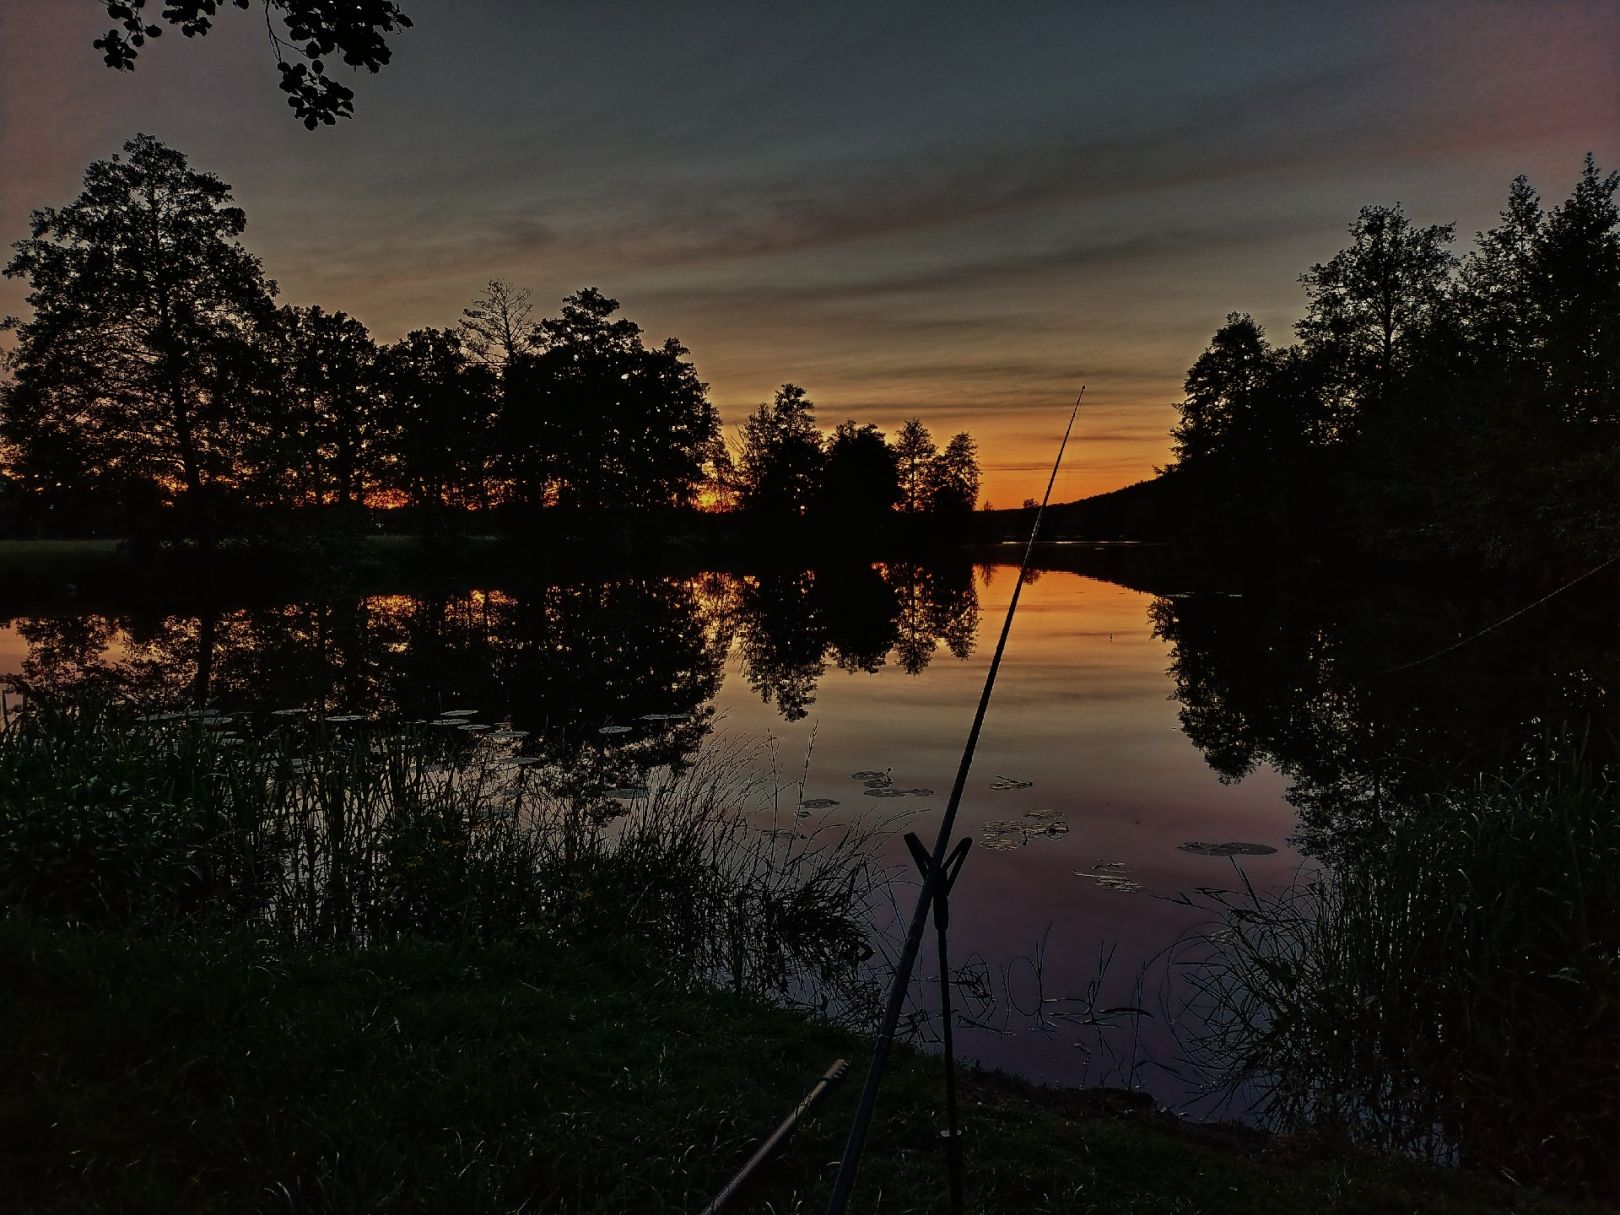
[
  {"x": 845, "y": 1180},
  {"x": 1491, "y": 628}
]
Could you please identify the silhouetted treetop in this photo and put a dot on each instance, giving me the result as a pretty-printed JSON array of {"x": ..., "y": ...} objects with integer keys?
[
  {"x": 143, "y": 355},
  {"x": 499, "y": 325},
  {"x": 312, "y": 30},
  {"x": 634, "y": 426},
  {"x": 779, "y": 467},
  {"x": 953, "y": 477},
  {"x": 1466, "y": 408},
  {"x": 914, "y": 451},
  {"x": 860, "y": 476}
]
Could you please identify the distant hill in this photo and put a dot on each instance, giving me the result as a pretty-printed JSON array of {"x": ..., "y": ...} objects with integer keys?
[{"x": 1155, "y": 509}]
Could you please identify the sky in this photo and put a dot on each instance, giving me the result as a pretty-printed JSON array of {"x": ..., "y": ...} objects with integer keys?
[{"x": 949, "y": 211}]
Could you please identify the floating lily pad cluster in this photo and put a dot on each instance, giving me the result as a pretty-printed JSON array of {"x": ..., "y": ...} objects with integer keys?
[
  {"x": 1199, "y": 848},
  {"x": 1112, "y": 875},
  {"x": 1002, "y": 783},
  {"x": 1006, "y": 834},
  {"x": 878, "y": 784}
]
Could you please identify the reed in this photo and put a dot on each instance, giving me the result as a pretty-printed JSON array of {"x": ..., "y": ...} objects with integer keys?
[
  {"x": 346, "y": 832},
  {"x": 1453, "y": 992}
]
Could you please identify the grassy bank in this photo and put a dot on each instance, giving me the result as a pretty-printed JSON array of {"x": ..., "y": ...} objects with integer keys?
[
  {"x": 172, "y": 1074},
  {"x": 1451, "y": 987},
  {"x": 295, "y": 963}
]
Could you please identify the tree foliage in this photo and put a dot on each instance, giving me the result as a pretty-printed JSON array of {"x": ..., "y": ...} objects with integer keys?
[
  {"x": 632, "y": 424},
  {"x": 860, "y": 478},
  {"x": 780, "y": 465},
  {"x": 312, "y": 32},
  {"x": 144, "y": 346},
  {"x": 323, "y": 436},
  {"x": 1369, "y": 303},
  {"x": 1433, "y": 405},
  {"x": 953, "y": 477},
  {"x": 914, "y": 454},
  {"x": 438, "y": 402},
  {"x": 156, "y": 376}
]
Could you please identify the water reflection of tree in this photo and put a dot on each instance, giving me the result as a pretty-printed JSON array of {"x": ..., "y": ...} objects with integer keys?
[
  {"x": 1304, "y": 682},
  {"x": 560, "y": 661},
  {"x": 1466, "y": 910},
  {"x": 790, "y": 625}
]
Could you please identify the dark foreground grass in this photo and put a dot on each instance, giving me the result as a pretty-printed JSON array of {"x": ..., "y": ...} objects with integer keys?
[{"x": 142, "y": 1074}]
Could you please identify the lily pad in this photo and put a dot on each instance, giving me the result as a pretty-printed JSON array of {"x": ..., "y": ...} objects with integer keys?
[
  {"x": 819, "y": 803},
  {"x": 459, "y": 713},
  {"x": 611, "y": 730},
  {"x": 1112, "y": 881},
  {"x": 343, "y": 719},
  {"x": 1120, "y": 885},
  {"x": 1003, "y": 783},
  {"x": 1001, "y": 843},
  {"x": 1002, "y": 835},
  {"x": 882, "y": 776},
  {"x": 1199, "y": 848}
]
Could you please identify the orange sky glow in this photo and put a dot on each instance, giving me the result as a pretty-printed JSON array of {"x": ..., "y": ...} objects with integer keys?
[{"x": 916, "y": 211}]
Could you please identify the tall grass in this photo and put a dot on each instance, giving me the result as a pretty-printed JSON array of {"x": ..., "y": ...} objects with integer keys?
[
  {"x": 312, "y": 831},
  {"x": 1454, "y": 992}
]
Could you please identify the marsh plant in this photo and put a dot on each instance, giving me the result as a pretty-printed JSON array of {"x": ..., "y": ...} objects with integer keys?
[
  {"x": 1453, "y": 992},
  {"x": 330, "y": 830}
]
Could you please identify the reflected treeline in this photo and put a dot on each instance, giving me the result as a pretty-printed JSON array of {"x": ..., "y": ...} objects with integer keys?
[
  {"x": 1446, "y": 982},
  {"x": 1310, "y": 681},
  {"x": 563, "y": 662},
  {"x": 791, "y": 625}
]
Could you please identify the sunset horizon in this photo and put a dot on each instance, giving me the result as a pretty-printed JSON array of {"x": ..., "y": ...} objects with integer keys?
[{"x": 897, "y": 254}]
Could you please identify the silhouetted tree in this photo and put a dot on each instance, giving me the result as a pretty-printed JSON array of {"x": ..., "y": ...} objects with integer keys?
[
  {"x": 779, "y": 467},
  {"x": 630, "y": 426},
  {"x": 953, "y": 477},
  {"x": 323, "y": 436},
  {"x": 1432, "y": 406},
  {"x": 498, "y": 329},
  {"x": 143, "y": 343},
  {"x": 439, "y": 408},
  {"x": 1368, "y": 301},
  {"x": 498, "y": 326},
  {"x": 313, "y": 30},
  {"x": 1221, "y": 387},
  {"x": 914, "y": 454},
  {"x": 1577, "y": 304},
  {"x": 860, "y": 479}
]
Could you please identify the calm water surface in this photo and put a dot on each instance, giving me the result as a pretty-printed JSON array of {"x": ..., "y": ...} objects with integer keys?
[{"x": 1144, "y": 719}]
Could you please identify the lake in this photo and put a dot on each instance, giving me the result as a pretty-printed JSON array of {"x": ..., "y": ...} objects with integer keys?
[{"x": 1145, "y": 704}]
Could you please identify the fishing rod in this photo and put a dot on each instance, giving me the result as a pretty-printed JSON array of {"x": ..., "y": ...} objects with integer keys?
[
  {"x": 778, "y": 1137},
  {"x": 847, "y": 1166}
]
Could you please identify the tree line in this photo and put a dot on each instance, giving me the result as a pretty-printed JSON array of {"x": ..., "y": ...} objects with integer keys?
[
  {"x": 1432, "y": 405},
  {"x": 158, "y": 387}
]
